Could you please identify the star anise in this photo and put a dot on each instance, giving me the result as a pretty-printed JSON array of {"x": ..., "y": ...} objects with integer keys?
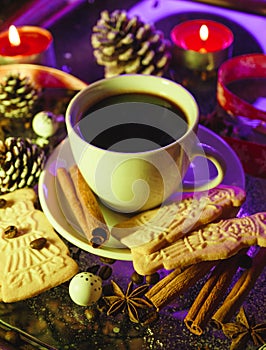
[
  {"x": 244, "y": 330},
  {"x": 131, "y": 301}
]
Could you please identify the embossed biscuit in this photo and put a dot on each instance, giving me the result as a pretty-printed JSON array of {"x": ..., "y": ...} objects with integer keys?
[
  {"x": 23, "y": 194},
  {"x": 214, "y": 241},
  {"x": 24, "y": 271},
  {"x": 154, "y": 229}
]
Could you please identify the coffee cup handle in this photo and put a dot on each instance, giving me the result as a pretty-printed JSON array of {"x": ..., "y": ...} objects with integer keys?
[{"x": 215, "y": 157}]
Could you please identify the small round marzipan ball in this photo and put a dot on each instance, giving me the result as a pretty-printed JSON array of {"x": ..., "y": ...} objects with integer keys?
[
  {"x": 45, "y": 124},
  {"x": 85, "y": 288}
]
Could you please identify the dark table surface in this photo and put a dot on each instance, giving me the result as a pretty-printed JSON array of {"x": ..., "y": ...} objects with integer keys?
[{"x": 66, "y": 328}]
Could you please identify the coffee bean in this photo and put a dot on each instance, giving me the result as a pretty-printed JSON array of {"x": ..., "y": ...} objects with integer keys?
[
  {"x": 93, "y": 269},
  {"x": 10, "y": 231},
  {"x": 137, "y": 278},
  {"x": 153, "y": 279},
  {"x": 38, "y": 243},
  {"x": 105, "y": 272}
]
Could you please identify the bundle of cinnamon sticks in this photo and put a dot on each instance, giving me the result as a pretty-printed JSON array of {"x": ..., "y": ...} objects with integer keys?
[
  {"x": 213, "y": 303},
  {"x": 84, "y": 205}
]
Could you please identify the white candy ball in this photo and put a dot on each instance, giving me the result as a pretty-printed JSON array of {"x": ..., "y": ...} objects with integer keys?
[
  {"x": 85, "y": 288},
  {"x": 44, "y": 124}
]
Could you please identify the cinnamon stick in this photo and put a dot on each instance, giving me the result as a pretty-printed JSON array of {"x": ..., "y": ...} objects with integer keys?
[
  {"x": 211, "y": 295},
  {"x": 177, "y": 282},
  {"x": 69, "y": 191},
  {"x": 240, "y": 290},
  {"x": 98, "y": 230},
  {"x": 84, "y": 205}
]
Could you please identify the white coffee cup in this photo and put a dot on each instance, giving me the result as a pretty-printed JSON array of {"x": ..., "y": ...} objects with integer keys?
[{"x": 137, "y": 179}]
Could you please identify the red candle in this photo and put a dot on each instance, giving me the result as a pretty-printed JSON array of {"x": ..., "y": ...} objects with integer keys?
[
  {"x": 206, "y": 44},
  {"x": 27, "y": 44},
  {"x": 190, "y": 35}
]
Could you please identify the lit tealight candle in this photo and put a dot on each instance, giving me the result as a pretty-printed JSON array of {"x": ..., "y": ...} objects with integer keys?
[
  {"x": 27, "y": 44},
  {"x": 202, "y": 44},
  {"x": 204, "y": 35}
]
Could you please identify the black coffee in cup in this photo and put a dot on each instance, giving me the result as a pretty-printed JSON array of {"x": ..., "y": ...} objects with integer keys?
[{"x": 132, "y": 122}]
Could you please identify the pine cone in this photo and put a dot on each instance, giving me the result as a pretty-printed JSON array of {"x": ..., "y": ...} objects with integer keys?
[
  {"x": 126, "y": 46},
  {"x": 21, "y": 163},
  {"x": 18, "y": 97}
]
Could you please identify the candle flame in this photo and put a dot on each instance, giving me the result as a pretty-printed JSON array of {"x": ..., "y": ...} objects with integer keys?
[
  {"x": 204, "y": 32},
  {"x": 13, "y": 36}
]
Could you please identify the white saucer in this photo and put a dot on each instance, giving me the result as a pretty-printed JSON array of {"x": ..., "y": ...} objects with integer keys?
[{"x": 50, "y": 195}]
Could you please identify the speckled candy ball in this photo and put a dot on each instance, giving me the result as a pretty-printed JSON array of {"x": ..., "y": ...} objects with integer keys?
[
  {"x": 85, "y": 288},
  {"x": 44, "y": 124}
]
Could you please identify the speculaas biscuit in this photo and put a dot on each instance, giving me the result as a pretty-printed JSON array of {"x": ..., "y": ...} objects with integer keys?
[
  {"x": 28, "y": 268},
  {"x": 215, "y": 241},
  {"x": 155, "y": 229}
]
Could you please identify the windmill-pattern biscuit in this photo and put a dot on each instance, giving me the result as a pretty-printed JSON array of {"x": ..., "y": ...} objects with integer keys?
[
  {"x": 154, "y": 229},
  {"x": 25, "y": 271},
  {"x": 214, "y": 241}
]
